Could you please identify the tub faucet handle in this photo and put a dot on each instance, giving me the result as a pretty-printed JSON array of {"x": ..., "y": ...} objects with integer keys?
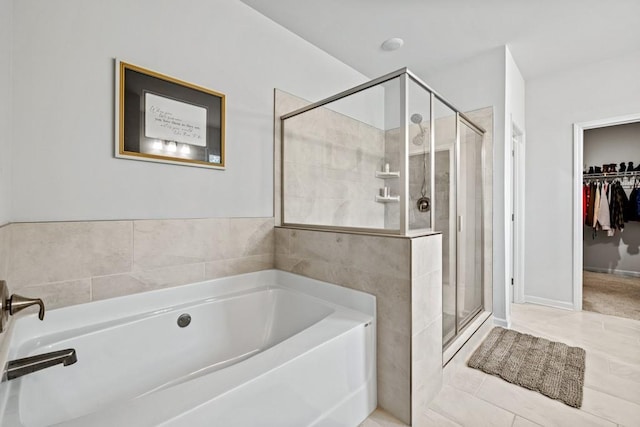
[{"x": 17, "y": 303}]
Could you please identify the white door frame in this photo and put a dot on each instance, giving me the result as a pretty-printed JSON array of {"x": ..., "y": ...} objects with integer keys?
[
  {"x": 578, "y": 159},
  {"x": 517, "y": 203}
]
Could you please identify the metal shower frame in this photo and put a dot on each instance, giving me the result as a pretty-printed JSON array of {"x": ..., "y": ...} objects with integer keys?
[{"x": 404, "y": 74}]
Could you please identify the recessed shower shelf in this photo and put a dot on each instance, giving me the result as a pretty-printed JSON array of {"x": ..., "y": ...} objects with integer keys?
[
  {"x": 385, "y": 175},
  {"x": 388, "y": 199}
]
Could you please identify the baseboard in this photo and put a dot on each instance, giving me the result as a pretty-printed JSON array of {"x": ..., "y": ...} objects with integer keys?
[
  {"x": 613, "y": 271},
  {"x": 549, "y": 302},
  {"x": 501, "y": 322}
]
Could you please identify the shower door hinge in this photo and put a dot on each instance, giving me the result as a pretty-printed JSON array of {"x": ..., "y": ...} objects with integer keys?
[
  {"x": 512, "y": 281},
  {"x": 513, "y": 217}
]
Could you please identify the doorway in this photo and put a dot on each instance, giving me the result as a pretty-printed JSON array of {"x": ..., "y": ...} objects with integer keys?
[
  {"x": 515, "y": 279},
  {"x": 578, "y": 213}
]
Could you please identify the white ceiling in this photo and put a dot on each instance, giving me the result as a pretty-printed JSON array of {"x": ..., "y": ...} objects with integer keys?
[{"x": 543, "y": 35}]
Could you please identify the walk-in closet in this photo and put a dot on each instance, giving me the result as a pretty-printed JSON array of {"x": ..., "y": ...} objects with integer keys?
[{"x": 611, "y": 215}]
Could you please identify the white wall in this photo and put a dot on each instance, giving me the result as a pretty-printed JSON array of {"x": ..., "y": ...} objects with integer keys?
[
  {"x": 476, "y": 83},
  {"x": 601, "y": 90},
  {"x": 619, "y": 253},
  {"x": 612, "y": 144},
  {"x": 63, "y": 105},
  {"x": 6, "y": 131},
  {"x": 514, "y": 105}
]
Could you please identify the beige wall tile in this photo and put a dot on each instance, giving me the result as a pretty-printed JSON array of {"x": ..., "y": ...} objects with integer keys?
[
  {"x": 4, "y": 250},
  {"x": 380, "y": 255},
  {"x": 63, "y": 251},
  {"x": 231, "y": 267},
  {"x": 282, "y": 238},
  {"x": 426, "y": 367},
  {"x": 426, "y": 254},
  {"x": 379, "y": 266},
  {"x": 393, "y": 301},
  {"x": 330, "y": 167},
  {"x": 60, "y": 294},
  {"x": 395, "y": 400},
  {"x": 320, "y": 270},
  {"x": 57, "y": 257},
  {"x": 148, "y": 280},
  {"x": 320, "y": 246},
  {"x": 394, "y": 356},
  {"x": 249, "y": 236},
  {"x": 160, "y": 243},
  {"x": 216, "y": 269},
  {"x": 283, "y": 103},
  {"x": 380, "y": 418},
  {"x": 426, "y": 299}
]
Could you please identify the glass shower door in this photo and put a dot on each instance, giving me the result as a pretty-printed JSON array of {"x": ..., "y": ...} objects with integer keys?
[
  {"x": 445, "y": 211},
  {"x": 460, "y": 222},
  {"x": 470, "y": 260}
]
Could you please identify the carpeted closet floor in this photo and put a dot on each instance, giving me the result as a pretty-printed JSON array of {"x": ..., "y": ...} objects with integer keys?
[{"x": 611, "y": 294}]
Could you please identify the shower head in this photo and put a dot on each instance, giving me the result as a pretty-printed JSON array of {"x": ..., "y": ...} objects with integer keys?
[{"x": 417, "y": 119}]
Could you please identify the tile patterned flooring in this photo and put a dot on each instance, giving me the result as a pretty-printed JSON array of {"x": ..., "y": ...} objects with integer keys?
[{"x": 612, "y": 379}]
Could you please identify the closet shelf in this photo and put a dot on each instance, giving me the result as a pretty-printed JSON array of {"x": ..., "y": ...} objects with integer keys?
[{"x": 611, "y": 175}]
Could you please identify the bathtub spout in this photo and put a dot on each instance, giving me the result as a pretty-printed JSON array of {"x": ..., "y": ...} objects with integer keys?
[{"x": 19, "y": 367}]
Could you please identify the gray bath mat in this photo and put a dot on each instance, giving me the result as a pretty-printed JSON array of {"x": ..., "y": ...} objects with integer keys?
[{"x": 551, "y": 368}]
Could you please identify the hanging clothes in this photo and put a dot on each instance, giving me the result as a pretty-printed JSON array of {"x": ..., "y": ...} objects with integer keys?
[
  {"x": 604, "y": 219},
  {"x": 585, "y": 200},
  {"x": 596, "y": 207},
  {"x": 590, "y": 203},
  {"x": 632, "y": 206},
  {"x": 617, "y": 206},
  {"x": 635, "y": 186}
]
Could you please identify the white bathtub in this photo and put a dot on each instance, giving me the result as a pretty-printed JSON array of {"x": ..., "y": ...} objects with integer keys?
[{"x": 262, "y": 349}]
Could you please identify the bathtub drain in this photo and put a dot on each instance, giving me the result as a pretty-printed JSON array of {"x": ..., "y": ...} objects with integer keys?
[{"x": 184, "y": 320}]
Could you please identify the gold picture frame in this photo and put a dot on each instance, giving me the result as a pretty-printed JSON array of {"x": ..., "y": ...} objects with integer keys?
[{"x": 166, "y": 120}]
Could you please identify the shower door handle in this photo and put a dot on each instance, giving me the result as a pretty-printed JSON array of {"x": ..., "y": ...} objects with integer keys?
[{"x": 460, "y": 223}]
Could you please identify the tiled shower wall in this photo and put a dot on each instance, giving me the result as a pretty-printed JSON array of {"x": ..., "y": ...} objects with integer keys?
[
  {"x": 67, "y": 263},
  {"x": 330, "y": 164}
]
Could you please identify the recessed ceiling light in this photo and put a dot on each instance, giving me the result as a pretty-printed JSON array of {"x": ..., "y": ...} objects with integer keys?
[{"x": 394, "y": 43}]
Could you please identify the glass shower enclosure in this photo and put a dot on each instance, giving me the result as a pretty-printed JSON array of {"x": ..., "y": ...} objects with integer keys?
[{"x": 392, "y": 157}]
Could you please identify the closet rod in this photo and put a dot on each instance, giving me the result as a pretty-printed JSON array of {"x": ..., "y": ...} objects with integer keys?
[{"x": 611, "y": 175}]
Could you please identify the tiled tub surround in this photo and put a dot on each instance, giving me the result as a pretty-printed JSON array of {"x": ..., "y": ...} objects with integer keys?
[
  {"x": 4, "y": 250},
  {"x": 67, "y": 263},
  {"x": 405, "y": 276}
]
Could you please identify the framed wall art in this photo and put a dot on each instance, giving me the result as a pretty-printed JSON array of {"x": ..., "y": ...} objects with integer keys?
[{"x": 163, "y": 119}]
